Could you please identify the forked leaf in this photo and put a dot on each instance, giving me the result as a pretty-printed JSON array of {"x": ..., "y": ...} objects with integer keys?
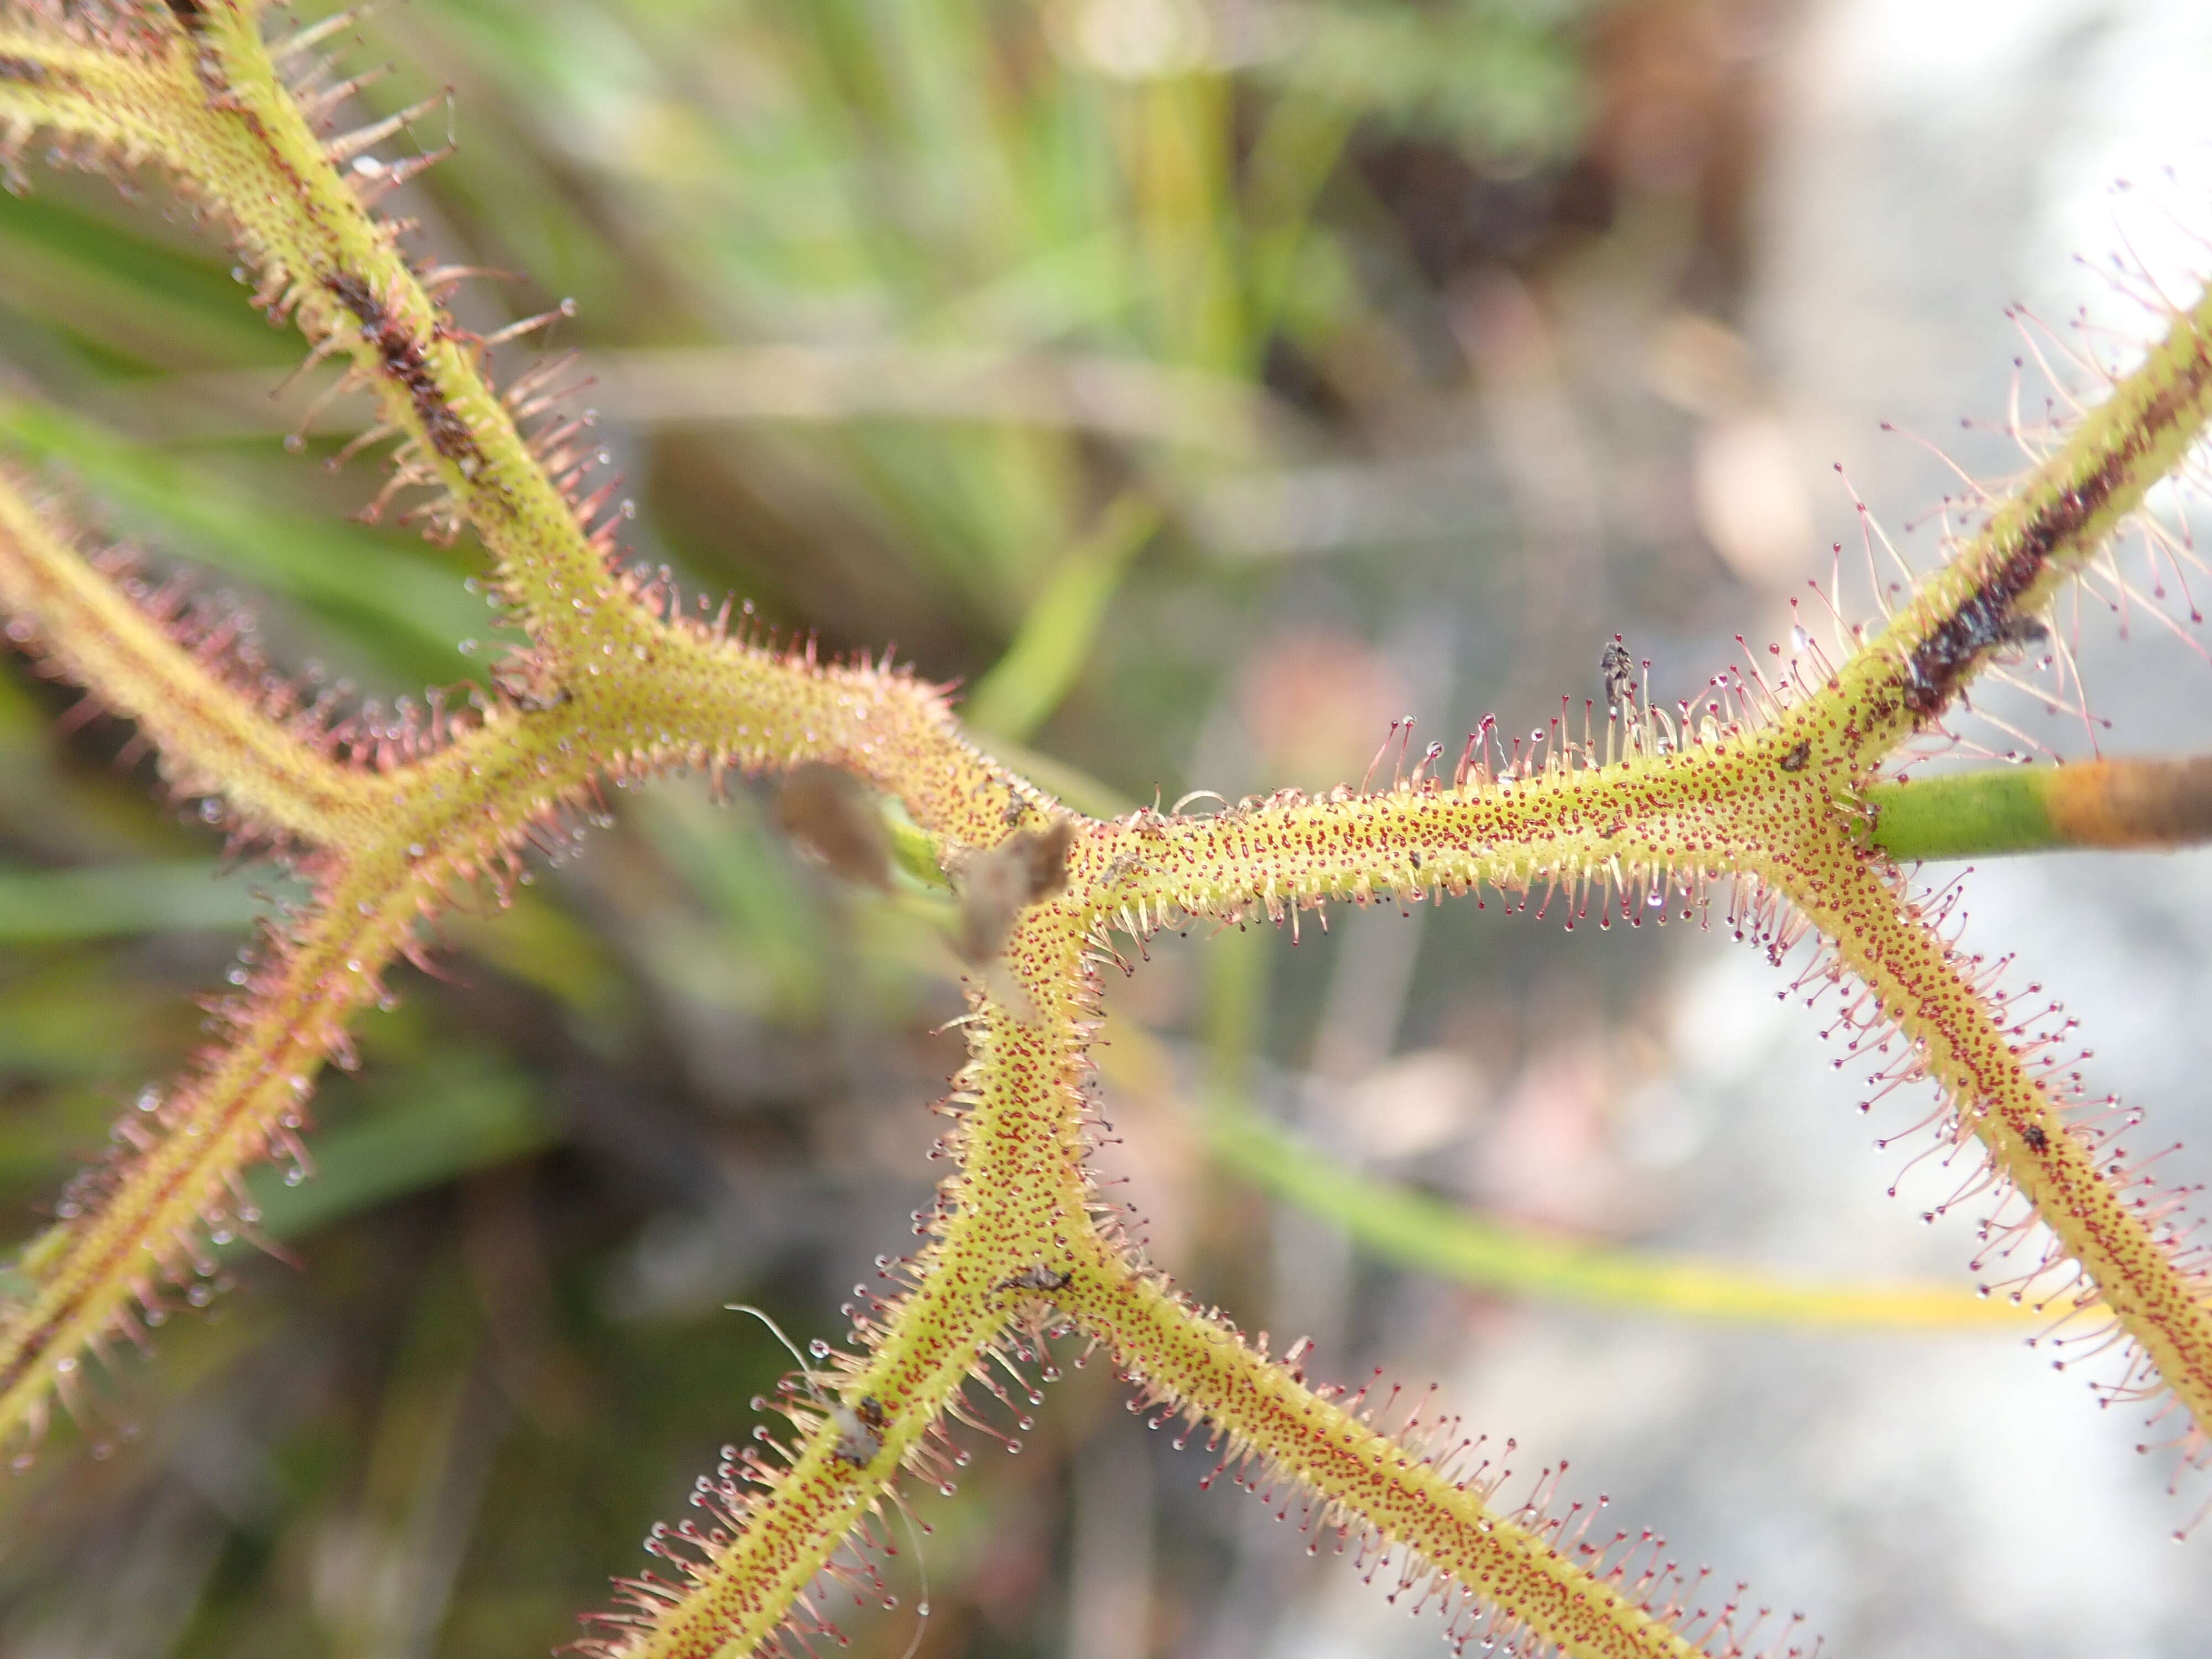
[{"x": 1750, "y": 809}]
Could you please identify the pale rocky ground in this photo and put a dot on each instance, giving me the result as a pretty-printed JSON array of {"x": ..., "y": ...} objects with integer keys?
[{"x": 1952, "y": 1496}]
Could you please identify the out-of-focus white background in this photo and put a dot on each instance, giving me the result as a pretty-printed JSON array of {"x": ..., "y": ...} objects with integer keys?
[{"x": 1929, "y": 165}]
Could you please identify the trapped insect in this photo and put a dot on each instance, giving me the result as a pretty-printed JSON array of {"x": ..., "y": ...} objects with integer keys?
[{"x": 1618, "y": 670}]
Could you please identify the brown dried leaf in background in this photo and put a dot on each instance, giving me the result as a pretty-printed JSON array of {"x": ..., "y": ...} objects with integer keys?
[
  {"x": 994, "y": 887},
  {"x": 828, "y": 814}
]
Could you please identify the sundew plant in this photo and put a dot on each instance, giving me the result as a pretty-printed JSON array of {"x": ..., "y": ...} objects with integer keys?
[{"x": 1768, "y": 808}]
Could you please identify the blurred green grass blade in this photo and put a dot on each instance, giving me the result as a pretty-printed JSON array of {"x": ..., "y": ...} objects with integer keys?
[
  {"x": 1299, "y": 143},
  {"x": 39, "y": 907},
  {"x": 72, "y": 1020},
  {"x": 1079, "y": 281},
  {"x": 1405, "y": 1225},
  {"x": 1494, "y": 85},
  {"x": 409, "y": 612},
  {"x": 978, "y": 504},
  {"x": 131, "y": 295},
  {"x": 455, "y": 1115},
  {"x": 1400, "y": 1223},
  {"x": 742, "y": 876},
  {"x": 1048, "y": 653},
  {"x": 533, "y": 940}
]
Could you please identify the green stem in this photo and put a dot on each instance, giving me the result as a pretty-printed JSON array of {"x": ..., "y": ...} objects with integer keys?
[
  {"x": 2144, "y": 804},
  {"x": 1405, "y": 1225}
]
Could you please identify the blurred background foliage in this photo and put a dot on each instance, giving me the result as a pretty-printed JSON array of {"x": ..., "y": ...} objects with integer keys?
[{"x": 1205, "y": 384}]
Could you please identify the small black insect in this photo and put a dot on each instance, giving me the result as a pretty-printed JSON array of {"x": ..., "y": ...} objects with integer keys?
[
  {"x": 2035, "y": 1138},
  {"x": 1038, "y": 1277},
  {"x": 1618, "y": 670},
  {"x": 1796, "y": 759}
]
